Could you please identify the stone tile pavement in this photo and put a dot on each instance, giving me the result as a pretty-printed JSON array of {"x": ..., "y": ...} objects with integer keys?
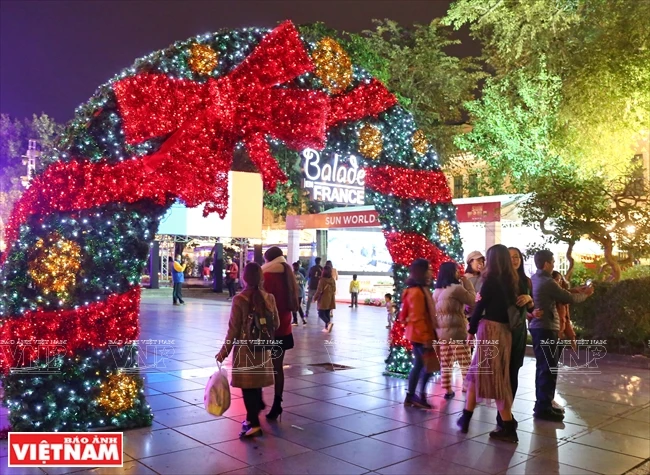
[{"x": 353, "y": 422}]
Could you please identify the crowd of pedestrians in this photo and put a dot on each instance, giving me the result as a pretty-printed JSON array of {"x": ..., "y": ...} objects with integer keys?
[
  {"x": 491, "y": 305},
  {"x": 498, "y": 299}
]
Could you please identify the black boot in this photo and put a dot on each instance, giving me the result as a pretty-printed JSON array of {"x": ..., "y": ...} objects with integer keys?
[
  {"x": 507, "y": 434},
  {"x": 423, "y": 401},
  {"x": 276, "y": 409},
  {"x": 463, "y": 421},
  {"x": 500, "y": 421}
]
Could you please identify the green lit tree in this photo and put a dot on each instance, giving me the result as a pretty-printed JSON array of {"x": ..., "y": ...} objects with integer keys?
[
  {"x": 431, "y": 83},
  {"x": 598, "y": 51},
  {"x": 615, "y": 213},
  {"x": 513, "y": 123}
]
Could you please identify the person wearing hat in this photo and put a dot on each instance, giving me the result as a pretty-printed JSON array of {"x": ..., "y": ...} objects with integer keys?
[{"x": 475, "y": 264}]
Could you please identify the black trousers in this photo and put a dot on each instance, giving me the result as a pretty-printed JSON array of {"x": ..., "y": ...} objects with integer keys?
[
  {"x": 299, "y": 311},
  {"x": 547, "y": 355},
  {"x": 231, "y": 287},
  {"x": 177, "y": 292},
  {"x": 354, "y": 297},
  {"x": 517, "y": 354},
  {"x": 253, "y": 404}
]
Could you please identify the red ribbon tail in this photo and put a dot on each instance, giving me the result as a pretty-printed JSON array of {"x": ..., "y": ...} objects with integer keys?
[
  {"x": 258, "y": 152},
  {"x": 153, "y": 162},
  {"x": 366, "y": 99}
]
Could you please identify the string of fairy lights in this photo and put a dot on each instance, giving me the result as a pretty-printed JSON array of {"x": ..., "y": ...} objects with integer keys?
[{"x": 79, "y": 236}]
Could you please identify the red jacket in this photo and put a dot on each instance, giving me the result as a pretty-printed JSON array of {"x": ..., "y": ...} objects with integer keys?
[
  {"x": 418, "y": 313},
  {"x": 275, "y": 283},
  {"x": 232, "y": 271}
]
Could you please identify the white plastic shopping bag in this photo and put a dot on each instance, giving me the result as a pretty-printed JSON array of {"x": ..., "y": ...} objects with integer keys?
[{"x": 217, "y": 393}]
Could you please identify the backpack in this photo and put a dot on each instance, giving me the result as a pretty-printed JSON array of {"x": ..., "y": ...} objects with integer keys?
[{"x": 258, "y": 327}]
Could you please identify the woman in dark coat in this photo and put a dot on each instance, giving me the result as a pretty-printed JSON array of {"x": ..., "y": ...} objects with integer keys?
[
  {"x": 519, "y": 334},
  {"x": 280, "y": 282}
]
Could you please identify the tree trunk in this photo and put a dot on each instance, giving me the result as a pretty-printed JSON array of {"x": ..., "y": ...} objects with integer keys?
[
  {"x": 614, "y": 267},
  {"x": 569, "y": 257}
]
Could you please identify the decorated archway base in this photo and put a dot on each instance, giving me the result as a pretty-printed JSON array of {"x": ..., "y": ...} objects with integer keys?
[{"x": 78, "y": 238}]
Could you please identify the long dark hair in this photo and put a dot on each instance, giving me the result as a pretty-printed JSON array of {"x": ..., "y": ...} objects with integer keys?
[
  {"x": 292, "y": 287},
  {"x": 418, "y": 273},
  {"x": 499, "y": 267},
  {"x": 521, "y": 273},
  {"x": 447, "y": 275},
  {"x": 254, "y": 280},
  {"x": 469, "y": 270},
  {"x": 327, "y": 272}
]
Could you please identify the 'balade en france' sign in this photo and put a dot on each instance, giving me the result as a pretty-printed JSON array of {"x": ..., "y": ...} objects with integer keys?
[{"x": 333, "y": 181}]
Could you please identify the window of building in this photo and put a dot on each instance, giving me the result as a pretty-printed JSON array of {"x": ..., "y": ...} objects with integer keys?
[
  {"x": 473, "y": 184},
  {"x": 458, "y": 186}
]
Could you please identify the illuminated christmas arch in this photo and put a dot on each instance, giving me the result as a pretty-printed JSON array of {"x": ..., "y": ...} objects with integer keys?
[{"x": 78, "y": 238}]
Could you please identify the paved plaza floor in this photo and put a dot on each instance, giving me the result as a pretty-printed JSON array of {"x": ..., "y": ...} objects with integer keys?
[{"x": 352, "y": 421}]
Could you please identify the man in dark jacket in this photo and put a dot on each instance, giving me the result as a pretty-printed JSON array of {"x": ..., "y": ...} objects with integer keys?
[
  {"x": 544, "y": 330},
  {"x": 314, "y": 276}
]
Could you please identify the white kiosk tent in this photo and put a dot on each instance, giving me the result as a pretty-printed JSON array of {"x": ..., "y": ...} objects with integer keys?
[{"x": 243, "y": 220}]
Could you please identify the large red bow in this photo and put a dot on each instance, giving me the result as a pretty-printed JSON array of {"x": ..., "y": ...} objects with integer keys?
[{"x": 206, "y": 120}]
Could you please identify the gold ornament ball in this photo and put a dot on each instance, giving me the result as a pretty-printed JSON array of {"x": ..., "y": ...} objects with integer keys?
[
  {"x": 333, "y": 65},
  {"x": 445, "y": 232},
  {"x": 370, "y": 141},
  {"x": 203, "y": 59},
  {"x": 420, "y": 144},
  {"x": 118, "y": 394},
  {"x": 54, "y": 264}
]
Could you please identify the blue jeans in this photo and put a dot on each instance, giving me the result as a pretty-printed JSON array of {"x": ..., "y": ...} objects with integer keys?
[
  {"x": 418, "y": 372},
  {"x": 324, "y": 315}
]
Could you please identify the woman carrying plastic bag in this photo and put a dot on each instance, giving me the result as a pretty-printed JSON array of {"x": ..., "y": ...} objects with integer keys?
[
  {"x": 217, "y": 393},
  {"x": 253, "y": 321}
]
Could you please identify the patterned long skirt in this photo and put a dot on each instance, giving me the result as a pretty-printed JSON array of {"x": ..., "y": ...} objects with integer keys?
[{"x": 490, "y": 368}]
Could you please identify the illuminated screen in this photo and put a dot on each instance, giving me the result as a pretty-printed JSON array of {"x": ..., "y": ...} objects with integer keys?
[{"x": 358, "y": 251}]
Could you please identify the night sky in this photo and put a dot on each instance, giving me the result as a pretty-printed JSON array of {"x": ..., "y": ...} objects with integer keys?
[{"x": 54, "y": 54}]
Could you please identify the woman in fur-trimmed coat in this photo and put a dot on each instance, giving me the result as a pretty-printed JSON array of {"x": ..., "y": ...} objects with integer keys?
[
  {"x": 452, "y": 293},
  {"x": 280, "y": 282}
]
